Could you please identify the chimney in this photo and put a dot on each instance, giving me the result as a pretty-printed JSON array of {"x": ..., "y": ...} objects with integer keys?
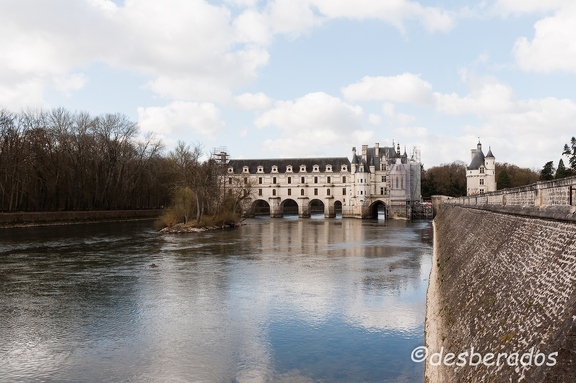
[
  {"x": 377, "y": 149},
  {"x": 364, "y": 152}
]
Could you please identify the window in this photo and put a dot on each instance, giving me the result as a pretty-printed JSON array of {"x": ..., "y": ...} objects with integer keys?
[
  {"x": 274, "y": 169},
  {"x": 315, "y": 180},
  {"x": 229, "y": 180},
  {"x": 396, "y": 182},
  {"x": 402, "y": 182},
  {"x": 302, "y": 180},
  {"x": 481, "y": 191},
  {"x": 315, "y": 168},
  {"x": 273, "y": 191},
  {"x": 344, "y": 168},
  {"x": 230, "y": 170},
  {"x": 273, "y": 180},
  {"x": 289, "y": 180},
  {"x": 481, "y": 181},
  {"x": 328, "y": 179},
  {"x": 259, "y": 192},
  {"x": 343, "y": 191},
  {"x": 344, "y": 179},
  {"x": 481, "y": 170},
  {"x": 260, "y": 180},
  {"x": 315, "y": 191},
  {"x": 245, "y": 169},
  {"x": 289, "y": 168},
  {"x": 301, "y": 191},
  {"x": 383, "y": 178},
  {"x": 245, "y": 180},
  {"x": 289, "y": 191},
  {"x": 260, "y": 169},
  {"x": 382, "y": 191},
  {"x": 328, "y": 168},
  {"x": 303, "y": 168},
  {"x": 327, "y": 191}
]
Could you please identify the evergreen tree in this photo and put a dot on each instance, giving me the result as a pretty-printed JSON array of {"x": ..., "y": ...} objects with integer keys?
[
  {"x": 570, "y": 152},
  {"x": 547, "y": 172},
  {"x": 503, "y": 181},
  {"x": 561, "y": 171}
]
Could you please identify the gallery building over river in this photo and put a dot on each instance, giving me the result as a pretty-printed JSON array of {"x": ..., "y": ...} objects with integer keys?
[{"x": 378, "y": 181}]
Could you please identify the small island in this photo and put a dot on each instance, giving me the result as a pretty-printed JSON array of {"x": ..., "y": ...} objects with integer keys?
[{"x": 201, "y": 200}]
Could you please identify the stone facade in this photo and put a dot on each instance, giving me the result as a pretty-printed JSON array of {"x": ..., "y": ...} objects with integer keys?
[
  {"x": 481, "y": 174},
  {"x": 377, "y": 181}
]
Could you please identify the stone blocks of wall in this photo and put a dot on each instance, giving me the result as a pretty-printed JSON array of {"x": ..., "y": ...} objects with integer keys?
[
  {"x": 503, "y": 284},
  {"x": 550, "y": 199}
]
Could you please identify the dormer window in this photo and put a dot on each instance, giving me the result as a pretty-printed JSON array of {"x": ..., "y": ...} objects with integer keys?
[
  {"x": 274, "y": 169},
  {"x": 481, "y": 169},
  {"x": 316, "y": 168},
  {"x": 230, "y": 170},
  {"x": 260, "y": 169},
  {"x": 289, "y": 169},
  {"x": 344, "y": 168},
  {"x": 328, "y": 168},
  {"x": 245, "y": 169},
  {"x": 303, "y": 168}
]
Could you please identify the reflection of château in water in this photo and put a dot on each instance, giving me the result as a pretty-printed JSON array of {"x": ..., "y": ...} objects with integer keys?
[{"x": 379, "y": 179}]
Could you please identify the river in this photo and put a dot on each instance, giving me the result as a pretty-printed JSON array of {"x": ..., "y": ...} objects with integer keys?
[{"x": 277, "y": 300}]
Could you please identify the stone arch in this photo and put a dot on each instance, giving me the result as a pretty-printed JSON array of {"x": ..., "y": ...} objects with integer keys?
[
  {"x": 316, "y": 206},
  {"x": 338, "y": 208},
  {"x": 260, "y": 207},
  {"x": 378, "y": 210},
  {"x": 289, "y": 206}
]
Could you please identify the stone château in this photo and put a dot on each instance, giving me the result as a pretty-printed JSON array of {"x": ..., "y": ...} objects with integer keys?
[
  {"x": 481, "y": 174},
  {"x": 378, "y": 181}
]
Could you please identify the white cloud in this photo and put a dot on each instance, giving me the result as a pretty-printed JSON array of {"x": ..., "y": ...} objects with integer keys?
[
  {"x": 487, "y": 97},
  {"x": 528, "y": 6},
  {"x": 183, "y": 118},
  {"x": 253, "y": 101},
  {"x": 406, "y": 87},
  {"x": 316, "y": 117},
  {"x": 393, "y": 12},
  {"x": 374, "y": 119},
  {"x": 520, "y": 130},
  {"x": 553, "y": 47}
]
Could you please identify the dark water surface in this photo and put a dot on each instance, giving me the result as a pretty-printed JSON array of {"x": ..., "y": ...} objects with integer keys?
[{"x": 278, "y": 300}]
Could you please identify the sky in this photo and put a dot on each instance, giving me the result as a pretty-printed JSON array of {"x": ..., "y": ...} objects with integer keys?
[{"x": 306, "y": 78}]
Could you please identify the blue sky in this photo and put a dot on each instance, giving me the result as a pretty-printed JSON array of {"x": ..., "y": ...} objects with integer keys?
[{"x": 291, "y": 78}]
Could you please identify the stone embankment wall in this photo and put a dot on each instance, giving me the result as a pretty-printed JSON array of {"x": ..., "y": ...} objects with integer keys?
[
  {"x": 502, "y": 284},
  {"x": 554, "y": 199}
]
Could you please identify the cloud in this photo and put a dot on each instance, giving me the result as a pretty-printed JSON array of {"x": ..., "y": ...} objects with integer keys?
[
  {"x": 395, "y": 12},
  {"x": 553, "y": 47},
  {"x": 316, "y": 117},
  {"x": 187, "y": 119},
  {"x": 519, "y": 129},
  {"x": 406, "y": 87},
  {"x": 487, "y": 97},
  {"x": 253, "y": 101}
]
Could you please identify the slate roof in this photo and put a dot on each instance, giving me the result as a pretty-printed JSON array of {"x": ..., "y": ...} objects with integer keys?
[
  {"x": 477, "y": 161},
  {"x": 282, "y": 163}
]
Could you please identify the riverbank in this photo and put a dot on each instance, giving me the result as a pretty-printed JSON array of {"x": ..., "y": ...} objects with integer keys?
[{"x": 25, "y": 219}]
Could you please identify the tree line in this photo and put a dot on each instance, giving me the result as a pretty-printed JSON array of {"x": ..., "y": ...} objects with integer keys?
[
  {"x": 550, "y": 172},
  {"x": 58, "y": 160},
  {"x": 450, "y": 179}
]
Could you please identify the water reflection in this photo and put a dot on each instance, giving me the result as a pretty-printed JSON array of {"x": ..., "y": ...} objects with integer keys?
[{"x": 278, "y": 300}]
